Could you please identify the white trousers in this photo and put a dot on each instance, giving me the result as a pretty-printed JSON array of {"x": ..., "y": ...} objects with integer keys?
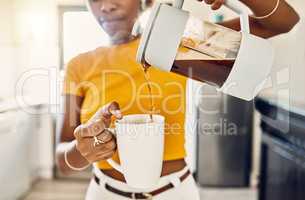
[{"x": 186, "y": 190}]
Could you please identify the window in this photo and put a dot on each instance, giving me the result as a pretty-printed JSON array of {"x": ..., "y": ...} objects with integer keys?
[{"x": 79, "y": 32}]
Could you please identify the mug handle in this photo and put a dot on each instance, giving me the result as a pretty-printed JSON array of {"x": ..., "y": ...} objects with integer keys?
[
  {"x": 235, "y": 6},
  {"x": 110, "y": 161}
]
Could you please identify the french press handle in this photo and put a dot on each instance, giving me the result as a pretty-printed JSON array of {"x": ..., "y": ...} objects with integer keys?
[{"x": 235, "y": 6}]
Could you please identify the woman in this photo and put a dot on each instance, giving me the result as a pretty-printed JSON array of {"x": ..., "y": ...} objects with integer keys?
[{"x": 107, "y": 83}]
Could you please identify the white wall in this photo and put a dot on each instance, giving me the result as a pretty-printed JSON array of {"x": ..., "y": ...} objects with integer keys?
[
  {"x": 289, "y": 67},
  {"x": 6, "y": 49},
  {"x": 28, "y": 39},
  {"x": 35, "y": 38}
]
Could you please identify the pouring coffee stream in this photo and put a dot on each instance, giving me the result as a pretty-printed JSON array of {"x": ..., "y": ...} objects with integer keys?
[{"x": 147, "y": 79}]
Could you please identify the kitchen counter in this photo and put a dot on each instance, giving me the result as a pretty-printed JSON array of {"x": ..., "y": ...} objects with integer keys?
[
  {"x": 27, "y": 140},
  {"x": 12, "y": 105}
]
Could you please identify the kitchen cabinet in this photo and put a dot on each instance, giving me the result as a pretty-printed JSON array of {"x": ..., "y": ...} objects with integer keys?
[{"x": 283, "y": 151}]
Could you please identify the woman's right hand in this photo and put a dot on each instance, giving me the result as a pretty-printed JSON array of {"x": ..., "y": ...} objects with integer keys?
[{"x": 97, "y": 127}]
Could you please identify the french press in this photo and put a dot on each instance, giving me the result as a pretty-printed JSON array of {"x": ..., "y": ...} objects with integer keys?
[{"x": 240, "y": 73}]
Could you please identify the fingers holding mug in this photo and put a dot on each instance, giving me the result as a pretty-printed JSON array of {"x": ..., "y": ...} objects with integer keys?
[
  {"x": 90, "y": 129},
  {"x": 107, "y": 150},
  {"x": 103, "y": 138},
  {"x": 95, "y": 141},
  {"x": 106, "y": 112},
  {"x": 99, "y": 147},
  {"x": 105, "y": 155}
]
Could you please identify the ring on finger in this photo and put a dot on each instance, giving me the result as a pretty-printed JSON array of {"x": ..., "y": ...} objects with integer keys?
[{"x": 98, "y": 141}]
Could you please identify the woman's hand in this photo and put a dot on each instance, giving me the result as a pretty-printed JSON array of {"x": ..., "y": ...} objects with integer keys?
[
  {"x": 215, "y": 4},
  {"x": 96, "y": 129}
]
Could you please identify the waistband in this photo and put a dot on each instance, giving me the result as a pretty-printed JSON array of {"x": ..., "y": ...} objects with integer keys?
[{"x": 173, "y": 178}]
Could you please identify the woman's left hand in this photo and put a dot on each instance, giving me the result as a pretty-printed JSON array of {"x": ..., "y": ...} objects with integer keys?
[{"x": 215, "y": 4}]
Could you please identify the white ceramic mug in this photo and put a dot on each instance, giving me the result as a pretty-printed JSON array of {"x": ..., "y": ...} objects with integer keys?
[{"x": 140, "y": 145}]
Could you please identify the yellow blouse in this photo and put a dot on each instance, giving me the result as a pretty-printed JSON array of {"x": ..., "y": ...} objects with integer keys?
[{"x": 111, "y": 74}]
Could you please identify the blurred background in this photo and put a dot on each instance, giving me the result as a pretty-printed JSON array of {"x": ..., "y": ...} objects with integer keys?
[{"x": 265, "y": 160}]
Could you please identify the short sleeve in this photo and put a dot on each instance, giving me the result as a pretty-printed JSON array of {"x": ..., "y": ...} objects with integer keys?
[{"x": 72, "y": 82}]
